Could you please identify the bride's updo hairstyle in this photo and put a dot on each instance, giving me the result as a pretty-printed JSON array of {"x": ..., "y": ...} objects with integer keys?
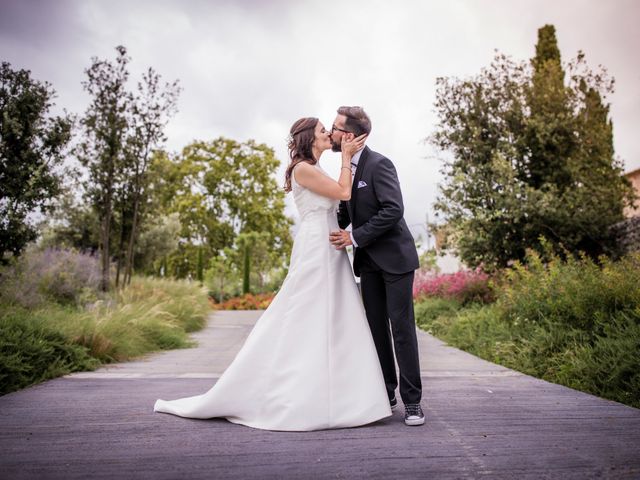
[{"x": 301, "y": 138}]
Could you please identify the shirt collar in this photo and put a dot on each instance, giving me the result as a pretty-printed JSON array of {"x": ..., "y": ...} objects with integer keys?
[{"x": 356, "y": 157}]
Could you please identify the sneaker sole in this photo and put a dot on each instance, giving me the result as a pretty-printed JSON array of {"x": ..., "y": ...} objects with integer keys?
[
  {"x": 415, "y": 422},
  {"x": 394, "y": 407}
]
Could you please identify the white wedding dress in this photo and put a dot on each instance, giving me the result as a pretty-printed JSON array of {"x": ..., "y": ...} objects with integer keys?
[{"x": 310, "y": 362}]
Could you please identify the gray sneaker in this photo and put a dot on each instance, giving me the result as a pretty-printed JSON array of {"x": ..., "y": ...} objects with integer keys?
[
  {"x": 413, "y": 415},
  {"x": 393, "y": 403}
]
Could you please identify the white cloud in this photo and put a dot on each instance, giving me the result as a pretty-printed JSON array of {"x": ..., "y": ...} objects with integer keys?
[{"x": 250, "y": 69}]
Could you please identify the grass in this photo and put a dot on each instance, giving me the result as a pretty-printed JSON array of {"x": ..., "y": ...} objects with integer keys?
[{"x": 56, "y": 339}]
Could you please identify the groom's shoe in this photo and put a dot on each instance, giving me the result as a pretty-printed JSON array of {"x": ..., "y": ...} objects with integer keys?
[
  {"x": 413, "y": 415},
  {"x": 393, "y": 403}
]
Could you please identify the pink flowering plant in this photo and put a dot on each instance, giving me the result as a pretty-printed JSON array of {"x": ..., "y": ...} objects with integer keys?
[{"x": 465, "y": 286}]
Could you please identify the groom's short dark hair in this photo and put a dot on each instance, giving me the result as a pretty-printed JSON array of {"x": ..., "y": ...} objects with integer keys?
[{"x": 357, "y": 121}]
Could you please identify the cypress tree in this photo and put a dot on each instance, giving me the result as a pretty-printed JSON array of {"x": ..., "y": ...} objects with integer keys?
[
  {"x": 532, "y": 157},
  {"x": 246, "y": 270},
  {"x": 550, "y": 126}
]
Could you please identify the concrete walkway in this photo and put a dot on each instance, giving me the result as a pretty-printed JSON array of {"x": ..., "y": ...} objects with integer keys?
[{"x": 483, "y": 421}]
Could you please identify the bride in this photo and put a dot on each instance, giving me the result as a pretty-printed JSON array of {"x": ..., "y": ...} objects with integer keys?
[{"x": 310, "y": 362}]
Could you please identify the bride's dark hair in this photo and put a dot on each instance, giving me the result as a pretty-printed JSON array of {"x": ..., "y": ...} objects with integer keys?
[{"x": 301, "y": 138}]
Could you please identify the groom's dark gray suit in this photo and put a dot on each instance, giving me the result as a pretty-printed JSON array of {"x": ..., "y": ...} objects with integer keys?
[{"x": 385, "y": 259}]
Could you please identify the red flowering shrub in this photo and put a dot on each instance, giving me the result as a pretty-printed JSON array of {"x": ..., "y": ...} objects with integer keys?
[
  {"x": 247, "y": 302},
  {"x": 464, "y": 286}
]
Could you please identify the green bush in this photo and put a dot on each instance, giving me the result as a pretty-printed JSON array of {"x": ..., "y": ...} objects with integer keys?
[
  {"x": 575, "y": 292},
  {"x": 570, "y": 322},
  {"x": 31, "y": 352},
  {"x": 42, "y": 276},
  {"x": 436, "y": 315},
  {"x": 609, "y": 365}
]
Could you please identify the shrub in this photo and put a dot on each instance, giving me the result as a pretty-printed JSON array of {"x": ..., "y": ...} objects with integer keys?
[
  {"x": 31, "y": 352},
  {"x": 576, "y": 292},
  {"x": 53, "y": 274},
  {"x": 571, "y": 322},
  {"x": 246, "y": 302},
  {"x": 432, "y": 312},
  {"x": 464, "y": 286},
  {"x": 609, "y": 364}
]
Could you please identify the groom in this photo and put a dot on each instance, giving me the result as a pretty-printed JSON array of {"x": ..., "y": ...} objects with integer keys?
[{"x": 385, "y": 258}]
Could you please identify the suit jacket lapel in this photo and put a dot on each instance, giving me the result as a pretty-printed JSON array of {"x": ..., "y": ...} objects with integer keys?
[{"x": 356, "y": 179}]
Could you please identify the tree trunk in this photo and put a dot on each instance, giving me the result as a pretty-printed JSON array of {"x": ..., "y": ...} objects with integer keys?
[
  {"x": 106, "y": 221},
  {"x": 247, "y": 271},
  {"x": 134, "y": 226},
  {"x": 200, "y": 266},
  {"x": 106, "y": 232},
  {"x": 120, "y": 249}
]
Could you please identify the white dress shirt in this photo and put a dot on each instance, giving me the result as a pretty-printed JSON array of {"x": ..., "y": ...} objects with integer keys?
[{"x": 354, "y": 165}]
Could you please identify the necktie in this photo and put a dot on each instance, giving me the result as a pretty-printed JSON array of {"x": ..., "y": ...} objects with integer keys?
[{"x": 353, "y": 169}]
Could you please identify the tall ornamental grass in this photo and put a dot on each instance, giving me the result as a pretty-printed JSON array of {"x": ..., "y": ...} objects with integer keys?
[
  {"x": 55, "y": 335},
  {"x": 150, "y": 314}
]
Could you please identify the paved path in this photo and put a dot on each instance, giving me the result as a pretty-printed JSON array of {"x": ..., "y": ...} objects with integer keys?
[{"x": 483, "y": 421}]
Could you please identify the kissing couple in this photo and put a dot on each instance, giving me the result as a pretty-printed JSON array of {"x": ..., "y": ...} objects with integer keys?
[{"x": 322, "y": 355}]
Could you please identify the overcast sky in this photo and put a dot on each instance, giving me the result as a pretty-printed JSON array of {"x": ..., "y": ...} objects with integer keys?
[{"x": 249, "y": 69}]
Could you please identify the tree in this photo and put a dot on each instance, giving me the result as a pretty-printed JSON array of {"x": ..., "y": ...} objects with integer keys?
[
  {"x": 531, "y": 157},
  {"x": 221, "y": 189},
  {"x": 200, "y": 266},
  {"x": 221, "y": 273},
  {"x": 550, "y": 127},
  {"x": 148, "y": 116},
  {"x": 158, "y": 239},
  {"x": 121, "y": 130},
  {"x": 102, "y": 150},
  {"x": 72, "y": 225},
  {"x": 254, "y": 251},
  {"x": 31, "y": 153}
]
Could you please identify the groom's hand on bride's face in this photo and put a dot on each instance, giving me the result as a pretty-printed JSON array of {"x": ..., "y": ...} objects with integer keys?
[{"x": 340, "y": 239}]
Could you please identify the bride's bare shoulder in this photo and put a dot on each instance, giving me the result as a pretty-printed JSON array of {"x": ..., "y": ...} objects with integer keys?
[
  {"x": 304, "y": 164},
  {"x": 305, "y": 169}
]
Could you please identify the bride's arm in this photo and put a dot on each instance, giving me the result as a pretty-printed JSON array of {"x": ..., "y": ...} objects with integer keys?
[{"x": 316, "y": 181}]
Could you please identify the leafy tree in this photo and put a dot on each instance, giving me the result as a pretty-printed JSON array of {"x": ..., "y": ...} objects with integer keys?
[
  {"x": 176, "y": 187},
  {"x": 221, "y": 189},
  {"x": 429, "y": 261},
  {"x": 221, "y": 275},
  {"x": 549, "y": 131},
  {"x": 102, "y": 149},
  {"x": 200, "y": 266},
  {"x": 32, "y": 147},
  {"x": 121, "y": 130},
  {"x": 531, "y": 157},
  {"x": 72, "y": 225},
  {"x": 254, "y": 250},
  {"x": 157, "y": 240},
  {"x": 150, "y": 110}
]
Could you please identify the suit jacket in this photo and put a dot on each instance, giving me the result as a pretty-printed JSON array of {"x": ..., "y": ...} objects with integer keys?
[{"x": 375, "y": 213}]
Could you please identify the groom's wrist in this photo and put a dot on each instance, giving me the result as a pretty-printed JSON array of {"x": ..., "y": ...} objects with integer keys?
[{"x": 353, "y": 240}]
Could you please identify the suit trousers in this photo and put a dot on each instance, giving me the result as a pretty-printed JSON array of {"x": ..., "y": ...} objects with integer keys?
[{"x": 388, "y": 302}]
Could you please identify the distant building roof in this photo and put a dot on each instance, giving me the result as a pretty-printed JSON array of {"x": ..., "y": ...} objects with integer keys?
[{"x": 632, "y": 172}]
